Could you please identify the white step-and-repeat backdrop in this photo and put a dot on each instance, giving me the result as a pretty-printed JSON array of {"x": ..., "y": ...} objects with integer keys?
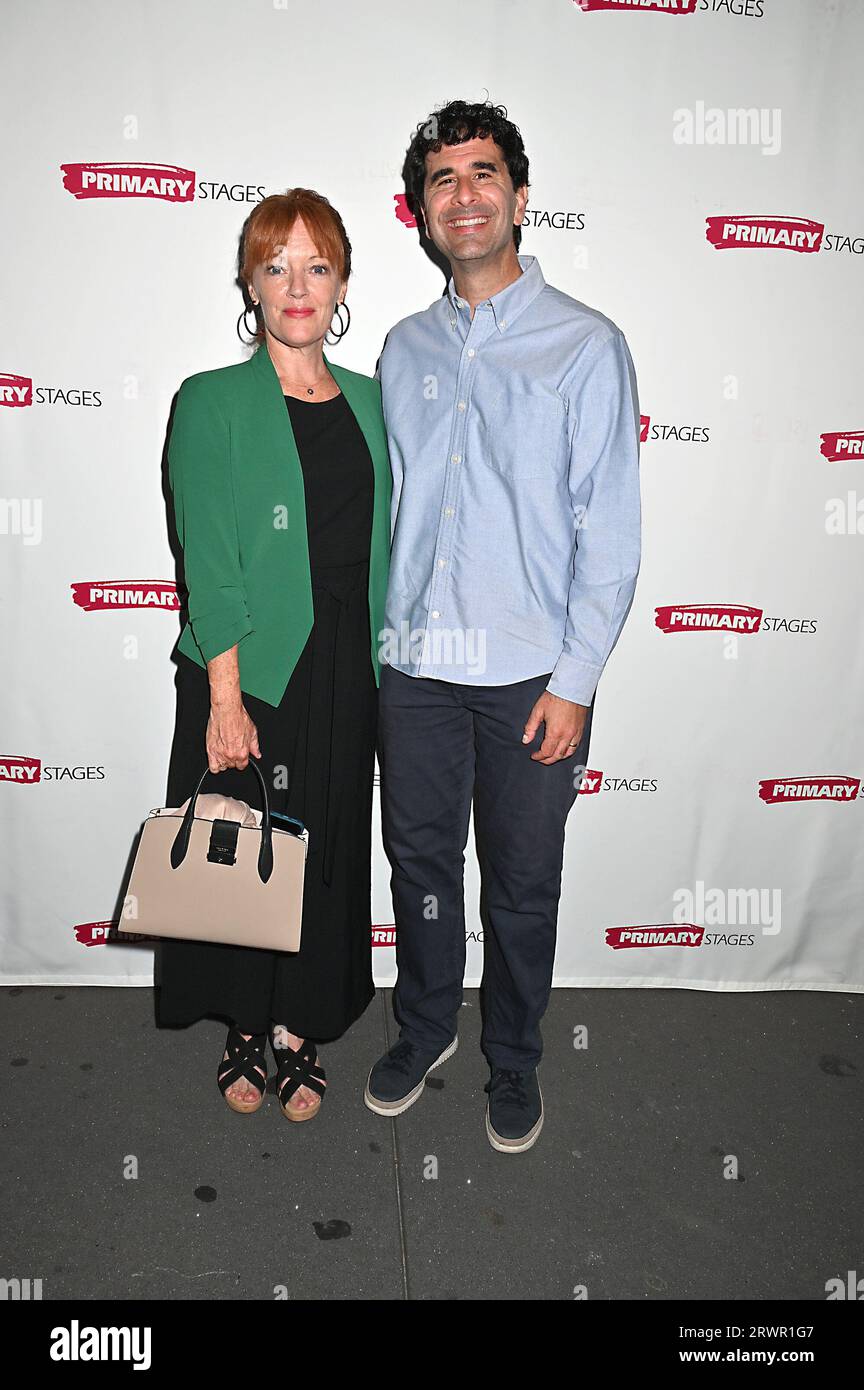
[{"x": 696, "y": 175}]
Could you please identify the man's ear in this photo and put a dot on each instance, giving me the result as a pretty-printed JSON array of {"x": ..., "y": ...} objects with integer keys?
[{"x": 521, "y": 204}]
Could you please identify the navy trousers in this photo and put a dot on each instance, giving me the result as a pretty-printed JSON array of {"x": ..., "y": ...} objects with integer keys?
[{"x": 440, "y": 746}]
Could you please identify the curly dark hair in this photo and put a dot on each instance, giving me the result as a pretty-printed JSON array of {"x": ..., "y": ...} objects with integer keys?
[{"x": 454, "y": 124}]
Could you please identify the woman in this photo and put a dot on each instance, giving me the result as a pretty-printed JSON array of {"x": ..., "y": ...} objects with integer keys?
[{"x": 281, "y": 486}]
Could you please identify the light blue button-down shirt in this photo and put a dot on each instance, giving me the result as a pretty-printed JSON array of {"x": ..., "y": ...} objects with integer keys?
[{"x": 515, "y": 522}]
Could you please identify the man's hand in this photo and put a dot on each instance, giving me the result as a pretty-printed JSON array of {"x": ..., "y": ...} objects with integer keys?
[{"x": 565, "y": 722}]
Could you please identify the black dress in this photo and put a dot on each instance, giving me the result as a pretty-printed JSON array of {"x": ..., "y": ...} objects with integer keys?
[{"x": 317, "y": 753}]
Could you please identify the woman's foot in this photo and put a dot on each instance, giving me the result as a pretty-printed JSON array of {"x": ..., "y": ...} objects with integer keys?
[
  {"x": 302, "y": 1097},
  {"x": 242, "y": 1090}
]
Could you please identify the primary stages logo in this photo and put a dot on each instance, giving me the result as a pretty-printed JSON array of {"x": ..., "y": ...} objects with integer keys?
[
  {"x": 402, "y": 210},
  {"x": 17, "y": 391},
  {"x": 775, "y": 791},
  {"x": 684, "y": 434},
  {"x": 743, "y": 232},
  {"x": 23, "y": 772},
  {"x": 675, "y": 934},
  {"x": 655, "y": 934},
  {"x": 842, "y": 444},
  {"x": 168, "y": 183},
  {"x": 94, "y": 933},
  {"x": 94, "y": 594},
  {"x": 658, "y": 6},
  {"x": 708, "y": 617},
  {"x": 26, "y": 772},
  {"x": 737, "y": 619},
  {"x": 780, "y": 233},
  {"x": 748, "y": 9},
  {"x": 105, "y": 933},
  {"x": 593, "y": 782}
]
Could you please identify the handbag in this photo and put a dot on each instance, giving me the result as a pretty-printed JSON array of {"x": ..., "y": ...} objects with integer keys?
[{"x": 216, "y": 869}]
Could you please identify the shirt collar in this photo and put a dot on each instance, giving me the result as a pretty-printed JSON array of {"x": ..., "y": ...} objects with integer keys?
[{"x": 508, "y": 303}]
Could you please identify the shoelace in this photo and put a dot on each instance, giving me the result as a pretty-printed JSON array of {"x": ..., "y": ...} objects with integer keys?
[
  {"x": 511, "y": 1085},
  {"x": 401, "y": 1055}
]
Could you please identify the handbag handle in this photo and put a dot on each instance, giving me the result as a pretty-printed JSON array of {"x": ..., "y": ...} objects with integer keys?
[{"x": 265, "y": 852}]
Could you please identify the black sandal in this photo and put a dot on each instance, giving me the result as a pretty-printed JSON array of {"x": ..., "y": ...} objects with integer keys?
[
  {"x": 243, "y": 1056},
  {"x": 296, "y": 1068}
]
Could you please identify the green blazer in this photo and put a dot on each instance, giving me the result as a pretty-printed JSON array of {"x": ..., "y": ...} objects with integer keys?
[{"x": 240, "y": 507}]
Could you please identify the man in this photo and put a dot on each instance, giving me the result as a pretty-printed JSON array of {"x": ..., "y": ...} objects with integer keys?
[{"x": 513, "y": 429}]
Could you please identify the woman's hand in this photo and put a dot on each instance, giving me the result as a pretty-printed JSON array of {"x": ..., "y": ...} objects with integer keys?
[{"x": 231, "y": 737}]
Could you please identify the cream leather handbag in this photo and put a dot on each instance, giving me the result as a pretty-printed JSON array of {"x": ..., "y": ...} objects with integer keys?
[{"x": 215, "y": 869}]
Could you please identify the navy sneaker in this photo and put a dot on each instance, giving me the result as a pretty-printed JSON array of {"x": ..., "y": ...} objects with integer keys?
[
  {"x": 514, "y": 1114},
  {"x": 397, "y": 1078}
]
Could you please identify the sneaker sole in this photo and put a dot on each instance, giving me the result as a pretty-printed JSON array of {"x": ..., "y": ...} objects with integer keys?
[
  {"x": 514, "y": 1146},
  {"x": 395, "y": 1107}
]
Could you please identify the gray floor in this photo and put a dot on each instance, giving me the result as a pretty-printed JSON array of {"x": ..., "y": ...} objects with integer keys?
[{"x": 624, "y": 1194}]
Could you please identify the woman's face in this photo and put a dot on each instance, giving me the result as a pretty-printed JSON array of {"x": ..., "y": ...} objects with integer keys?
[{"x": 298, "y": 290}]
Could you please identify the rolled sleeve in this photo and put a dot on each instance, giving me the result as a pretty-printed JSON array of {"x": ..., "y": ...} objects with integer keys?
[
  {"x": 604, "y": 490},
  {"x": 199, "y": 471}
]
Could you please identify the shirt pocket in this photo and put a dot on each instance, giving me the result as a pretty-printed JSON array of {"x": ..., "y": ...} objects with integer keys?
[{"x": 526, "y": 435}]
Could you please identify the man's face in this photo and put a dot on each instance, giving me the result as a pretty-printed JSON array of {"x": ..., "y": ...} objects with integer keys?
[{"x": 469, "y": 202}]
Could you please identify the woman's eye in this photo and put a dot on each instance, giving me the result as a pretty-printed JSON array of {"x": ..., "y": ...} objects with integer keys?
[
  {"x": 276, "y": 268},
  {"x": 321, "y": 267}
]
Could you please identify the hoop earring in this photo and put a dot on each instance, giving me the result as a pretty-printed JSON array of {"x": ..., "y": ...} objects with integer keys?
[
  {"x": 337, "y": 337},
  {"x": 247, "y": 342}
]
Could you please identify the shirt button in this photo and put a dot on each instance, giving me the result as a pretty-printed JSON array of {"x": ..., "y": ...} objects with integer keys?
[
  {"x": 441, "y": 564},
  {"x": 470, "y": 352},
  {"x": 503, "y": 323},
  {"x": 435, "y": 613},
  {"x": 448, "y": 511},
  {"x": 455, "y": 458},
  {"x": 460, "y": 405}
]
